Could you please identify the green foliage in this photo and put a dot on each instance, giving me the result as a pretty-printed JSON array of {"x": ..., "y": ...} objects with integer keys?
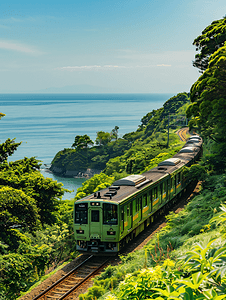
[
  {"x": 114, "y": 132},
  {"x": 27, "y": 202},
  {"x": 158, "y": 119},
  {"x": 22, "y": 175},
  {"x": 201, "y": 276},
  {"x": 208, "y": 107},
  {"x": 208, "y": 99},
  {"x": 103, "y": 138},
  {"x": 82, "y": 142},
  {"x": 16, "y": 210},
  {"x": 195, "y": 172},
  {"x": 212, "y": 38},
  {"x": 7, "y": 148},
  {"x": 92, "y": 293}
]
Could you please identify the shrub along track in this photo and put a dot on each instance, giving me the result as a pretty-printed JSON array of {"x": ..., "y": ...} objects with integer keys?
[{"x": 136, "y": 244}]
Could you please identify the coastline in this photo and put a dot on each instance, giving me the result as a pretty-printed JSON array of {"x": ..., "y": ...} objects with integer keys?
[{"x": 81, "y": 173}]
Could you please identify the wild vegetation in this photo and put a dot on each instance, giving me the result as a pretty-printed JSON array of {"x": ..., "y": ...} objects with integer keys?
[
  {"x": 187, "y": 259},
  {"x": 36, "y": 226}
]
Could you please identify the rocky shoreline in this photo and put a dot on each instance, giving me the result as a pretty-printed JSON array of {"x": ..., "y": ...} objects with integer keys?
[{"x": 82, "y": 173}]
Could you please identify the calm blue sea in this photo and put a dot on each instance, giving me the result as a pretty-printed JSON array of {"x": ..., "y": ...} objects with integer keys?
[{"x": 47, "y": 123}]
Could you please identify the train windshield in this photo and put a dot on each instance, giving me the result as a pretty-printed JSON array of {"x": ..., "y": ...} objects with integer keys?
[
  {"x": 81, "y": 213},
  {"x": 110, "y": 214}
]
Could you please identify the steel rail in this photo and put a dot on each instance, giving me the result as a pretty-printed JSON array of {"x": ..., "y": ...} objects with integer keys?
[
  {"x": 61, "y": 279},
  {"x": 82, "y": 281}
]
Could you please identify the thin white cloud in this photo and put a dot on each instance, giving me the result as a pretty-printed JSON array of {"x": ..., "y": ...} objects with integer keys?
[
  {"x": 93, "y": 67},
  {"x": 163, "y": 65},
  {"x": 107, "y": 67},
  {"x": 15, "y": 46}
]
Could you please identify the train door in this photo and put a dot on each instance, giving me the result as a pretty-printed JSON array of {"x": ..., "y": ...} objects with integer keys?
[
  {"x": 155, "y": 199},
  {"x": 130, "y": 215},
  {"x": 141, "y": 207},
  {"x": 122, "y": 220},
  {"x": 168, "y": 190},
  {"x": 95, "y": 227},
  {"x": 175, "y": 184},
  {"x": 150, "y": 199},
  {"x": 161, "y": 193}
]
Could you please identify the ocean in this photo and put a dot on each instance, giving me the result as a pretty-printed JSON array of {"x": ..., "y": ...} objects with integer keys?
[{"x": 48, "y": 123}]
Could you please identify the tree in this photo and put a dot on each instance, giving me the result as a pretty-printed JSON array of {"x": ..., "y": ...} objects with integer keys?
[
  {"x": 114, "y": 132},
  {"x": 82, "y": 142},
  {"x": 17, "y": 210},
  {"x": 103, "y": 138},
  {"x": 7, "y": 148},
  {"x": 211, "y": 39},
  {"x": 208, "y": 99}
]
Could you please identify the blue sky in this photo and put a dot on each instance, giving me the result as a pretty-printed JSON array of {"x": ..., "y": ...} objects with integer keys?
[{"x": 135, "y": 46}]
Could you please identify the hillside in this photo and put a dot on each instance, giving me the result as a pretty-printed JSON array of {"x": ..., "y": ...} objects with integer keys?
[
  {"x": 36, "y": 226},
  {"x": 187, "y": 258},
  {"x": 129, "y": 154}
]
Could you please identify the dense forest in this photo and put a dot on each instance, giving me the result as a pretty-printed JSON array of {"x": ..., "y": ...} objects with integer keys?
[{"x": 187, "y": 259}]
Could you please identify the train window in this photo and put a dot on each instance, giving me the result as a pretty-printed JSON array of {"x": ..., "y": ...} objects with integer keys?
[
  {"x": 155, "y": 193},
  {"x": 145, "y": 200},
  {"x": 110, "y": 214},
  {"x": 81, "y": 213},
  {"x": 95, "y": 216}
]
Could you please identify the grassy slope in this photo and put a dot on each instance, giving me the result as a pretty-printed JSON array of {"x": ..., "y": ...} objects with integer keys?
[{"x": 183, "y": 230}]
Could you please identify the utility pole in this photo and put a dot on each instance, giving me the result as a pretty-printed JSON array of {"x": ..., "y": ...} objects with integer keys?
[{"x": 168, "y": 131}]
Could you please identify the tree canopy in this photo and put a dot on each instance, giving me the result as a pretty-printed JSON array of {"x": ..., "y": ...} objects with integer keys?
[
  {"x": 211, "y": 39},
  {"x": 208, "y": 99},
  {"x": 82, "y": 142},
  {"x": 114, "y": 132},
  {"x": 7, "y": 149},
  {"x": 103, "y": 138}
]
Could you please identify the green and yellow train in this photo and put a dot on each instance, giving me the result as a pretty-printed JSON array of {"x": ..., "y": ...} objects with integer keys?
[{"x": 105, "y": 221}]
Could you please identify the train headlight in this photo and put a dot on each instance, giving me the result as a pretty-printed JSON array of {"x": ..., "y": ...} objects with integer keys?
[
  {"x": 111, "y": 232},
  {"x": 80, "y": 231}
]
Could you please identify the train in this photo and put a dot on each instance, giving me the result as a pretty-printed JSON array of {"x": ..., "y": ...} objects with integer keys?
[{"x": 105, "y": 221}]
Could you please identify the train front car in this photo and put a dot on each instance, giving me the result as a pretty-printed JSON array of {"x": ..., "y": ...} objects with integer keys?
[{"x": 96, "y": 224}]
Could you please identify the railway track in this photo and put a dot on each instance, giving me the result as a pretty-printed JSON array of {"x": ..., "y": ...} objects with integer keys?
[
  {"x": 182, "y": 133},
  {"x": 65, "y": 287}
]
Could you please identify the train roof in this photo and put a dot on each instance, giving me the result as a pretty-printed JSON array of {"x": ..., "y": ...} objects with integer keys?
[
  {"x": 195, "y": 137},
  {"x": 132, "y": 184}
]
